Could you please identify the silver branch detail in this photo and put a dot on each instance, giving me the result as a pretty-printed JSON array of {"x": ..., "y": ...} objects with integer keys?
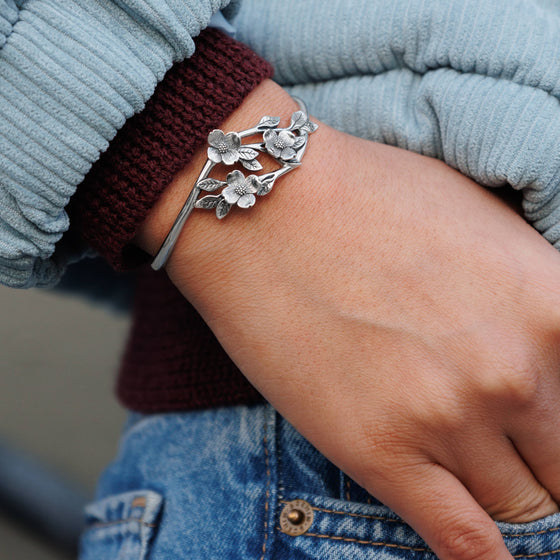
[{"x": 284, "y": 145}]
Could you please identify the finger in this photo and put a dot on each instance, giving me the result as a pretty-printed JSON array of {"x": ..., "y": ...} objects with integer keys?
[
  {"x": 537, "y": 439},
  {"x": 442, "y": 511},
  {"x": 499, "y": 480}
]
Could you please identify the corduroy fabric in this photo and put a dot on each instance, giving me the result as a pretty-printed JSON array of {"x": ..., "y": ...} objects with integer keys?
[
  {"x": 195, "y": 97},
  {"x": 71, "y": 73},
  {"x": 173, "y": 360}
]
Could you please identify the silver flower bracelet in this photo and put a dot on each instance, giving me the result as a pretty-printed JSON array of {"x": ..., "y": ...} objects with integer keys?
[{"x": 285, "y": 145}]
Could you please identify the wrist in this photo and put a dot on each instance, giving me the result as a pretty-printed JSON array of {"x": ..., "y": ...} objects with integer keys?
[{"x": 204, "y": 239}]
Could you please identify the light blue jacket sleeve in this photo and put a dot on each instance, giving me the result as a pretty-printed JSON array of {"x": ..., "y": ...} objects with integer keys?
[
  {"x": 475, "y": 83},
  {"x": 71, "y": 73}
]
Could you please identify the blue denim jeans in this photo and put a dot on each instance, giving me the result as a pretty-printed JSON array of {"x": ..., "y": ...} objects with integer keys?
[{"x": 241, "y": 483}]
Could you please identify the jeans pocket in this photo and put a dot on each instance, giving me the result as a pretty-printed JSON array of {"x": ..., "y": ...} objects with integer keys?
[
  {"x": 534, "y": 540},
  {"x": 121, "y": 526},
  {"x": 348, "y": 523},
  {"x": 312, "y": 526}
]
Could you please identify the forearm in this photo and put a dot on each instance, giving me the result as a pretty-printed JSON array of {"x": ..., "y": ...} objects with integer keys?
[{"x": 203, "y": 233}]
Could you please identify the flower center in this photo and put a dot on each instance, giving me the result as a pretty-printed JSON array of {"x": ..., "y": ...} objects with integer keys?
[
  {"x": 222, "y": 147},
  {"x": 241, "y": 190},
  {"x": 279, "y": 144}
]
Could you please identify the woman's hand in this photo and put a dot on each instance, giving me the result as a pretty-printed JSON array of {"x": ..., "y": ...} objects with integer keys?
[{"x": 402, "y": 318}]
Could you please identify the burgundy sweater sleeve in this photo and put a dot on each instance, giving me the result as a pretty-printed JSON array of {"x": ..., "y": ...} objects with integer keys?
[
  {"x": 160, "y": 371},
  {"x": 195, "y": 97}
]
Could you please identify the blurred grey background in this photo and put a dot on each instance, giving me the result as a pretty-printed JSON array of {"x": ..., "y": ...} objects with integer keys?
[{"x": 58, "y": 360}]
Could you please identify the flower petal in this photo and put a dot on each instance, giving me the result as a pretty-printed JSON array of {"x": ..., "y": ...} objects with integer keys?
[
  {"x": 214, "y": 155},
  {"x": 269, "y": 136},
  {"x": 274, "y": 151},
  {"x": 246, "y": 201},
  {"x": 235, "y": 178},
  {"x": 230, "y": 157},
  {"x": 288, "y": 153},
  {"x": 215, "y": 137},
  {"x": 287, "y": 138},
  {"x": 230, "y": 195},
  {"x": 233, "y": 140}
]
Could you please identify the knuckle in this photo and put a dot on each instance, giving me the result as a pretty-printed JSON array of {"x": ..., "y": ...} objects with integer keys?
[
  {"x": 528, "y": 505},
  {"x": 444, "y": 414},
  {"x": 470, "y": 540},
  {"x": 518, "y": 385},
  {"x": 513, "y": 380}
]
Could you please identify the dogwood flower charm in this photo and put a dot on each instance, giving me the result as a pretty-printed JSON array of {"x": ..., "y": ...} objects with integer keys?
[
  {"x": 280, "y": 144},
  {"x": 241, "y": 190},
  {"x": 285, "y": 146},
  {"x": 224, "y": 148}
]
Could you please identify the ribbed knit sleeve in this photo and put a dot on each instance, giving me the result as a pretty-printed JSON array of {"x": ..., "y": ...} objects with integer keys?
[
  {"x": 71, "y": 73},
  {"x": 475, "y": 83},
  {"x": 195, "y": 97}
]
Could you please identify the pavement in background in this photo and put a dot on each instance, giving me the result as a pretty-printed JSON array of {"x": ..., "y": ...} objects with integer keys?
[{"x": 58, "y": 359}]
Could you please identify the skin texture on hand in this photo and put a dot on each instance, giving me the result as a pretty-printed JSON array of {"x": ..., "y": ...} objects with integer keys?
[{"x": 402, "y": 318}]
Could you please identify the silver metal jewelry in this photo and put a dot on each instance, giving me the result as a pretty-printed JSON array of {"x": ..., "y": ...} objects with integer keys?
[{"x": 285, "y": 145}]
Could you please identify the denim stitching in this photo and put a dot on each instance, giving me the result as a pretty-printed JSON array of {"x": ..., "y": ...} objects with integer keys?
[
  {"x": 538, "y": 554},
  {"x": 351, "y": 484},
  {"x": 371, "y": 543},
  {"x": 375, "y": 517},
  {"x": 266, "y": 507},
  {"x": 412, "y": 548},
  {"x": 279, "y": 459},
  {"x": 379, "y": 518},
  {"x": 551, "y": 530}
]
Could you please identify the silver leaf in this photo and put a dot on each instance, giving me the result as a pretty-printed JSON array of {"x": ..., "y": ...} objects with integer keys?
[
  {"x": 298, "y": 120},
  {"x": 309, "y": 127},
  {"x": 268, "y": 122},
  {"x": 210, "y": 185},
  {"x": 208, "y": 202},
  {"x": 251, "y": 165},
  {"x": 300, "y": 141},
  {"x": 265, "y": 188},
  {"x": 247, "y": 153},
  {"x": 222, "y": 209},
  {"x": 265, "y": 184}
]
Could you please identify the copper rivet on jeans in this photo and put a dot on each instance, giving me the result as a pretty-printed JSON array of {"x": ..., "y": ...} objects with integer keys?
[{"x": 296, "y": 517}]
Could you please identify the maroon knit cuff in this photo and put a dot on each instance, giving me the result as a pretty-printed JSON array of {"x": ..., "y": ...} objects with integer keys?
[
  {"x": 195, "y": 97},
  {"x": 172, "y": 359}
]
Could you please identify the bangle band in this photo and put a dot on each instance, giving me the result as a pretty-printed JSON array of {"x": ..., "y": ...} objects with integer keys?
[{"x": 285, "y": 145}]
